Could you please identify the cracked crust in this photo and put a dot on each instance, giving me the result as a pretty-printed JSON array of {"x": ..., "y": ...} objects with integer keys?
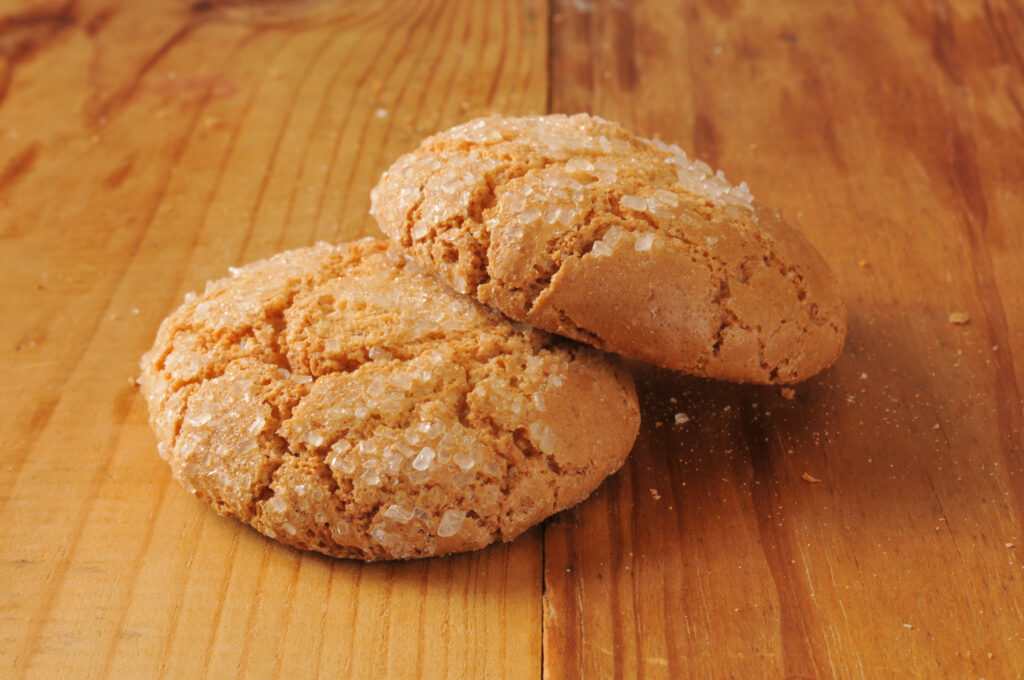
[
  {"x": 576, "y": 226},
  {"x": 341, "y": 400}
]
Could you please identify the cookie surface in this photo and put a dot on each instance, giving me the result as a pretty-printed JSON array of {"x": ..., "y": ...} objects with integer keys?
[
  {"x": 576, "y": 226},
  {"x": 340, "y": 399}
]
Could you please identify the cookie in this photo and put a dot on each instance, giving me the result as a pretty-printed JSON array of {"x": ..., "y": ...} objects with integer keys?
[
  {"x": 577, "y": 226},
  {"x": 340, "y": 399}
]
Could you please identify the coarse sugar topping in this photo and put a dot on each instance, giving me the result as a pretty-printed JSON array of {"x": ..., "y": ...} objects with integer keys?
[{"x": 341, "y": 399}]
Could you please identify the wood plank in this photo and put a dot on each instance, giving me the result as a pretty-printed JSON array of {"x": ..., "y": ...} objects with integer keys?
[
  {"x": 144, "y": 148},
  {"x": 177, "y": 139},
  {"x": 891, "y": 135}
]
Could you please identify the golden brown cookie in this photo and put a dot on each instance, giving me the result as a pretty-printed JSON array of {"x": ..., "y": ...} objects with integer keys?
[
  {"x": 340, "y": 399},
  {"x": 577, "y": 226}
]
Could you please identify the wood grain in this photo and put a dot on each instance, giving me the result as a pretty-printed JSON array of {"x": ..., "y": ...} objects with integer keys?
[
  {"x": 880, "y": 134},
  {"x": 147, "y": 148},
  {"x": 867, "y": 525}
]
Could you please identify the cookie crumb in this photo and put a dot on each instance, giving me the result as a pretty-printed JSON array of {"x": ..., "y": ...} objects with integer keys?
[
  {"x": 655, "y": 495},
  {"x": 807, "y": 477},
  {"x": 863, "y": 264},
  {"x": 908, "y": 626},
  {"x": 788, "y": 392},
  {"x": 863, "y": 376},
  {"x": 959, "y": 318},
  {"x": 381, "y": 113},
  {"x": 1010, "y": 545},
  {"x": 682, "y": 418}
]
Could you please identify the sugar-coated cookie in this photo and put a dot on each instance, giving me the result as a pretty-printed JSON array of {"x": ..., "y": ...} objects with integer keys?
[
  {"x": 340, "y": 399},
  {"x": 577, "y": 226}
]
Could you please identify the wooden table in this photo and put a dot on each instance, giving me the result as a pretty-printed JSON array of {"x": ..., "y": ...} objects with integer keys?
[{"x": 868, "y": 525}]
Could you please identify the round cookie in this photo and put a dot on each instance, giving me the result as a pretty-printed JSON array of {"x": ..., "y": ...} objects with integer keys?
[
  {"x": 577, "y": 226},
  {"x": 339, "y": 399}
]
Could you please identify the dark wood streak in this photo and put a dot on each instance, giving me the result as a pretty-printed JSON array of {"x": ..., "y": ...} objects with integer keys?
[
  {"x": 499, "y": 69},
  {"x": 23, "y": 35},
  {"x": 999, "y": 27},
  {"x": 18, "y": 167},
  {"x": 572, "y": 59},
  {"x": 119, "y": 174},
  {"x": 705, "y": 139},
  {"x": 624, "y": 46},
  {"x": 563, "y": 631},
  {"x": 21, "y": 446},
  {"x": 803, "y": 646},
  {"x": 965, "y": 176},
  {"x": 961, "y": 172}
]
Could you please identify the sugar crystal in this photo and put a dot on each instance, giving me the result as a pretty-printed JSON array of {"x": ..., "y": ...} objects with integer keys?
[
  {"x": 634, "y": 203},
  {"x": 644, "y": 241},
  {"x": 465, "y": 459},
  {"x": 451, "y": 522},
  {"x": 277, "y": 504},
  {"x": 529, "y": 215},
  {"x": 200, "y": 418},
  {"x": 424, "y": 459},
  {"x": 398, "y": 513}
]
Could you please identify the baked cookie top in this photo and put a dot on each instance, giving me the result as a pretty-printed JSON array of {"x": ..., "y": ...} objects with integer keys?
[
  {"x": 577, "y": 226},
  {"x": 339, "y": 399}
]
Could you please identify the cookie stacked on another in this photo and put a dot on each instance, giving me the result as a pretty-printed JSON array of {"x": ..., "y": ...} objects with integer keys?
[
  {"x": 577, "y": 226},
  {"x": 344, "y": 400}
]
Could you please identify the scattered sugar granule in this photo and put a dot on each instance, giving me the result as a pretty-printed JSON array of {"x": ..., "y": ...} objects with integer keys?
[
  {"x": 787, "y": 392},
  {"x": 682, "y": 418},
  {"x": 959, "y": 318},
  {"x": 381, "y": 113},
  {"x": 807, "y": 477}
]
